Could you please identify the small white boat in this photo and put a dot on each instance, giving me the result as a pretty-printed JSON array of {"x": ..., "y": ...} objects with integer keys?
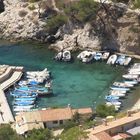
[
  {"x": 120, "y": 60},
  {"x": 130, "y": 76},
  {"x": 134, "y": 82},
  {"x": 82, "y": 55},
  {"x": 112, "y": 59},
  {"x": 58, "y": 56},
  {"x": 23, "y": 83},
  {"x": 127, "y": 61},
  {"x": 121, "y": 84},
  {"x": 118, "y": 91},
  {"x": 66, "y": 56},
  {"x": 105, "y": 55},
  {"x": 113, "y": 103},
  {"x": 120, "y": 88},
  {"x": 88, "y": 57},
  {"x": 118, "y": 94},
  {"x": 98, "y": 56},
  {"x": 117, "y": 107}
]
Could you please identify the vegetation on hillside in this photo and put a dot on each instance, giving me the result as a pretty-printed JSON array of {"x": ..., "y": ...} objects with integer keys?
[
  {"x": 104, "y": 110},
  {"x": 7, "y": 133},
  {"x": 74, "y": 133},
  {"x": 81, "y": 11}
]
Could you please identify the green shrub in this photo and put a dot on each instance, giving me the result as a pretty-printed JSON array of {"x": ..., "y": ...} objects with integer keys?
[
  {"x": 83, "y": 10},
  {"x": 74, "y": 133},
  {"x": 104, "y": 110},
  {"x": 55, "y": 22},
  {"x": 136, "y": 3},
  {"x": 22, "y": 13},
  {"x": 31, "y": 7}
]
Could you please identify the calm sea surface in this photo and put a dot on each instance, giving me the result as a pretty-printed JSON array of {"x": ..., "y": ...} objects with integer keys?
[{"x": 78, "y": 84}]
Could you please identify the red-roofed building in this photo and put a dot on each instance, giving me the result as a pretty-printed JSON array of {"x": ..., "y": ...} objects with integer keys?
[{"x": 49, "y": 118}]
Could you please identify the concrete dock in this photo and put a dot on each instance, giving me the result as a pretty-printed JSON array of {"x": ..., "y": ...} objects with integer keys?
[{"x": 7, "y": 79}]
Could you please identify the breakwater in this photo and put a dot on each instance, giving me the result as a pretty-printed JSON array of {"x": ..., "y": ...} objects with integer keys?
[{"x": 9, "y": 77}]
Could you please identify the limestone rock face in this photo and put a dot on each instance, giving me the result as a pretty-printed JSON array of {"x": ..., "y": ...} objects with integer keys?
[
  {"x": 18, "y": 22},
  {"x": 79, "y": 39}
]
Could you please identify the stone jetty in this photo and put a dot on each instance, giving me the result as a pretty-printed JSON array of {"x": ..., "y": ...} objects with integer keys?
[{"x": 9, "y": 76}]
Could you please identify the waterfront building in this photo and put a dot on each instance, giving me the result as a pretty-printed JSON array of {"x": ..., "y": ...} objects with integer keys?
[
  {"x": 48, "y": 118},
  {"x": 117, "y": 129}
]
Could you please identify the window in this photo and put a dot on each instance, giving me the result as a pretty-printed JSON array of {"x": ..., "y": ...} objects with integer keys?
[
  {"x": 61, "y": 121},
  {"x": 55, "y": 122}
]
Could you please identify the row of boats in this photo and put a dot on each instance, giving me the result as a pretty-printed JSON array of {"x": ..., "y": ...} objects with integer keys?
[
  {"x": 26, "y": 91},
  {"x": 120, "y": 89},
  {"x": 88, "y": 56}
]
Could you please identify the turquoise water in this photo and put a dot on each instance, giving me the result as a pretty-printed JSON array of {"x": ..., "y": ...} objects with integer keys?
[{"x": 78, "y": 84}]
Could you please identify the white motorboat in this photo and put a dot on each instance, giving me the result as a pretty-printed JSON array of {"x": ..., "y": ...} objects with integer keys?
[
  {"x": 117, "y": 107},
  {"x": 82, "y": 55},
  {"x": 58, "y": 56},
  {"x": 66, "y": 56},
  {"x": 134, "y": 82},
  {"x": 118, "y": 91},
  {"x": 119, "y": 88},
  {"x": 105, "y": 55},
  {"x": 88, "y": 57},
  {"x": 118, "y": 94},
  {"x": 113, "y": 103},
  {"x": 134, "y": 72},
  {"x": 120, "y": 60},
  {"x": 121, "y": 84},
  {"x": 130, "y": 76},
  {"x": 127, "y": 61},
  {"x": 112, "y": 59}
]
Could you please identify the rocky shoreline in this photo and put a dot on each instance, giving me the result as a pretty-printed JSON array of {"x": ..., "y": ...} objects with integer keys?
[{"x": 18, "y": 22}]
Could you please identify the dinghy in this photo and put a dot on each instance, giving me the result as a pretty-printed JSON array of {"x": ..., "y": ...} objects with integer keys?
[{"x": 98, "y": 56}]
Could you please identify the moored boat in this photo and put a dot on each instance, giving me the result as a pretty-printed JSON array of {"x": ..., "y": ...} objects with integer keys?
[
  {"x": 111, "y": 97},
  {"x": 98, "y": 56},
  {"x": 23, "y": 103},
  {"x": 120, "y": 60},
  {"x": 58, "y": 56},
  {"x": 66, "y": 56},
  {"x": 113, "y": 103},
  {"x": 121, "y": 84},
  {"x": 134, "y": 82},
  {"x": 25, "y": 99},
  {"x": 112, "y": 59},
  {"x": 130, "y": 76},
  {"x": 105, "y": 55},
  {"x": 127, "y": 61},
  {"x": 119, "y": 88}
]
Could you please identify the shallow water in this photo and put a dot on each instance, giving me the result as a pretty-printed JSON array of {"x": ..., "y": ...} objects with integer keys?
[{"x": 78, "y": 84}]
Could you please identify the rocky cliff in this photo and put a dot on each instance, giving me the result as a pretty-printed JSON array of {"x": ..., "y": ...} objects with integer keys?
[{"x": 117, "y": 29}]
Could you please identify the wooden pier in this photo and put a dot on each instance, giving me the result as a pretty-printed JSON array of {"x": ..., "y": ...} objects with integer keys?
[{"x": 8, "y": 78}]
